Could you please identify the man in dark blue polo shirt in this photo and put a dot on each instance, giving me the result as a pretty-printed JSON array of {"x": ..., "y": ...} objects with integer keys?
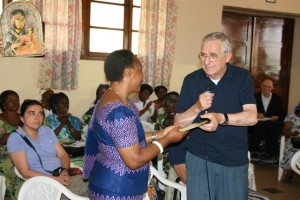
[{"x": 217, "y": 162}]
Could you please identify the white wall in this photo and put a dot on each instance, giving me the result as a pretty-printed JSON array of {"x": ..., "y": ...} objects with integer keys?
[{"x": 196, "y": 18}]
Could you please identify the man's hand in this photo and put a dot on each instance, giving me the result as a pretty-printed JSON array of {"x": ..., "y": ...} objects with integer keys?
[{"x": 205, "y": 100}]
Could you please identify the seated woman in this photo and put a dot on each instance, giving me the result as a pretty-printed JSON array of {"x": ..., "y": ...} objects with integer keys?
[
  {"x": 291, "y": 128},
  {"x": 99, "y": 92},
  {"x": 9, "y": 121},
  {"x": 66, "y": 127},
  {"x": 45, "y": 101},
  {"x": 160, "y": 91},
  {"x": 169, "y": 102},
  {"x": 144, "y": 105},
  {"x": 46, "y": 154}
]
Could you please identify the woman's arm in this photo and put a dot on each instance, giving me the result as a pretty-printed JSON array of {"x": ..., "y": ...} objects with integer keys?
[
  {"x": 135, "y": 157},
  {"x": 63, "y": 156},
  {"x": 20, "y": 161}
]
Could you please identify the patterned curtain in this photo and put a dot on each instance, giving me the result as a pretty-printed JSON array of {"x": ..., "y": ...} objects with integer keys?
[
  {"x": 62, "y": 25},
  {"x": 157, "y": 40}
]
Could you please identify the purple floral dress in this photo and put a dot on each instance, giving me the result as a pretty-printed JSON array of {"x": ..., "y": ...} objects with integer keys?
[{"x": 112, "y": 127}]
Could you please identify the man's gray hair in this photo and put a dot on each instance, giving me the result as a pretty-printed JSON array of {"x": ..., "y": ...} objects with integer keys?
[{"x": 226, "y": 43}]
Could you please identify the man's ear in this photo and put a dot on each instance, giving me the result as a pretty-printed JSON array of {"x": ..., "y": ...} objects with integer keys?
[{"x": 228, "y": 56}]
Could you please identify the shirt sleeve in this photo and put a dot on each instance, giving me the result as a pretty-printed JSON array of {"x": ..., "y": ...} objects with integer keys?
[
  {"x": 15, "y": 143},
  {"x": 122, "y": 127}
]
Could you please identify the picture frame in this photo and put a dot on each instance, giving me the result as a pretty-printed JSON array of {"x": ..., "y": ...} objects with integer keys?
[
  {"x": 271, "y": 1},
  {"x": 21, "y": 30}
]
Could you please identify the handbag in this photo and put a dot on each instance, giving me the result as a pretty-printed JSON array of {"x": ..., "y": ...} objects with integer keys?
[
  {"x": 74, "y": 151},
  {"x": 295, "y": 142}
]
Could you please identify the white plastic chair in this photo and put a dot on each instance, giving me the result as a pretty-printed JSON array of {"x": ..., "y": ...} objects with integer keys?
[
  {"x": 251, "y": 176},
  {"x": 42, "y": 187},
  {"x": 2, "y": 187},
  {"x": 147, "y": 126},
  {"x": 181, "y": 188},
  {"x": 295, "y": 162},
  {"x": 281, "y": 150},
  {"x": 19, "y": 174}
]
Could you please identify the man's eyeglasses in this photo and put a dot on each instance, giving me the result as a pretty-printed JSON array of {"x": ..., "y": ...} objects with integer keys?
[{"x": 212, "y": 56}]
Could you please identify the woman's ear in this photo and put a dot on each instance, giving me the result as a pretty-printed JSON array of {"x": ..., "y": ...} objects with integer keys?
[
  {"x": 128, "y": 72},
  {"x": 22, "y": 119}
]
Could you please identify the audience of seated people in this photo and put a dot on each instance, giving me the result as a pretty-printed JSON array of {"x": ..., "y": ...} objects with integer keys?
[
  {"x": 270, "y": 120},
  {"x": 145, "y": 106},
  {"x": 9, "y": 121},
  {"x": 99, "y": 93},
  {"x": 291, "y": 129},
  {"x": 66, "y": 126},
  {"x": 176, "y": 151},
  {"x": 47, "y": 93},
  {"x": 35, "y": 150}
]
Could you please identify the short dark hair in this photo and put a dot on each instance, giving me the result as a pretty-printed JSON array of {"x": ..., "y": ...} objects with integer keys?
[
  {"x": 3, "y": 97},
  {"x": 28, "y": 102},
  {"x": 116, "y": 62},
  {"x": 146, "y": 87},
  {"x": 98, "y": 90},
  {"x": 157, "y": 88},
  {"x": 55, "y": 98}
]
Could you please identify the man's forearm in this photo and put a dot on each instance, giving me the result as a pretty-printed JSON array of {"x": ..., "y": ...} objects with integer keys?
[{"x": 188, "y": 116}]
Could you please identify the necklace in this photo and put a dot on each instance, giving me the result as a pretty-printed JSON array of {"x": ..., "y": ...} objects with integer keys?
[{"x": 123, "y": 101}]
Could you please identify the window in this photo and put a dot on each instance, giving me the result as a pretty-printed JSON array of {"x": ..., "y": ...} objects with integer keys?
[
  {"x": 109, "y": 25},
  {"x": 3, "y": 3}
]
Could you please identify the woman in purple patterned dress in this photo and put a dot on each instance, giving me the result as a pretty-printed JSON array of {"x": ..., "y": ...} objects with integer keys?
[{"x": 116, "y": 160}]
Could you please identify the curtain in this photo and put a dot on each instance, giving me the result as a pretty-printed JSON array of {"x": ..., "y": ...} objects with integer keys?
[
  {"x": 62, "y": 29},
  {"x": 157, "y": 40}
]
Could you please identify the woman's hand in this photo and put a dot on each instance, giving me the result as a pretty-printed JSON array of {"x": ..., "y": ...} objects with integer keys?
[
  {"x": 64, "y": 119},
  {"x": 64, "y": 178},
  {"x": 173, "y": 134}
]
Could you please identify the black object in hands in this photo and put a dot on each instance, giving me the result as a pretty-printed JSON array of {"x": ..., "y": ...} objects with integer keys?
[{"x": 208, "y": 87}]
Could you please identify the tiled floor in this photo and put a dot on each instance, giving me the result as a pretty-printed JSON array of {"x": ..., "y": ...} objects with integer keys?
[{"x": 266, "y": 182}]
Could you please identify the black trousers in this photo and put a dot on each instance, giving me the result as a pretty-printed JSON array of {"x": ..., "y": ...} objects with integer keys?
[{"x": 265, "y": 130}]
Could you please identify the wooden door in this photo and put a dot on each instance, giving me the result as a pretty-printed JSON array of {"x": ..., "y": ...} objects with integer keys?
[
  {"x": 267, "y": 48},
  {"x": 240, "y": 33}
]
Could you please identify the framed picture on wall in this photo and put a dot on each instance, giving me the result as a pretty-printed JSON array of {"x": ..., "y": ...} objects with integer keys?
[{"x": 21, "y": 30}]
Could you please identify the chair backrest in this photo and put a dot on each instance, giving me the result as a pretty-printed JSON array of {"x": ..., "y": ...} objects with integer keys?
[
  {"x": 147, "y": 126},
  {"x": 42, "y": 187},
  {"x": 19, "y": 174},
  {"x": 281, "y": 150},
  {"x": 295, "y": 162},
  {"x": 166, "y": 182},
  {"x": 2, "y": 187}
]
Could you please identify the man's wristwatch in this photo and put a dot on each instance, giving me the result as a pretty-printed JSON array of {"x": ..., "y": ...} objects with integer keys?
[{"x": 225, "y": 123}]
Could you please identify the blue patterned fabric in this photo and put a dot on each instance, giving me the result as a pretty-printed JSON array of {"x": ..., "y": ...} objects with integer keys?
[
  {"x": 64, "y": 136},
  {"x": 112, "y": 127}
]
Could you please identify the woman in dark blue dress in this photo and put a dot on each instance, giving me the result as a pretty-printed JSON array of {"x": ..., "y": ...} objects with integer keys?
[{"x": 117, "y": 156}]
